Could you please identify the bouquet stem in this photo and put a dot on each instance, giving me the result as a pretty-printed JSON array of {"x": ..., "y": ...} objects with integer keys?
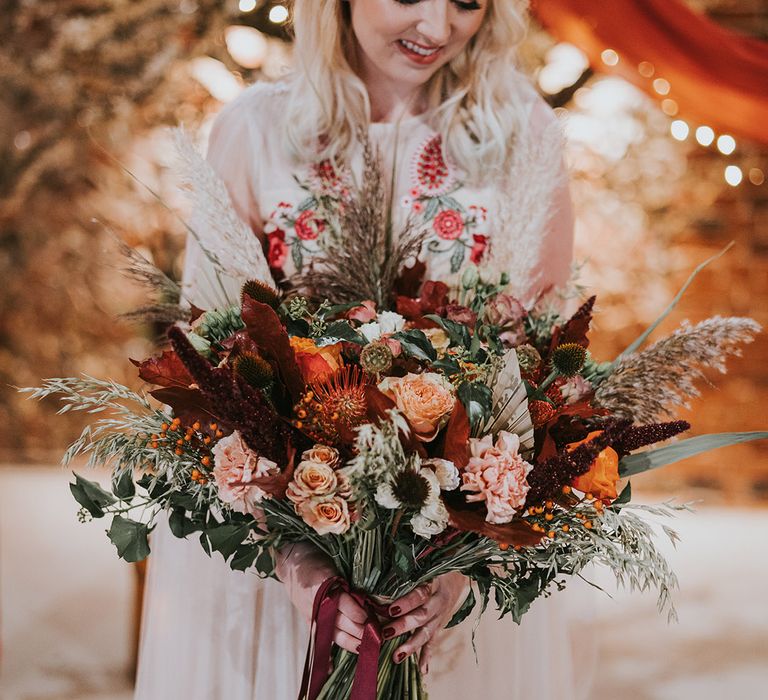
[{"x": 395, "y": 681}]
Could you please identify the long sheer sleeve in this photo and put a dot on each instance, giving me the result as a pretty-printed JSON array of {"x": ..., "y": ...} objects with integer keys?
[{"x": 556, "y": 257}]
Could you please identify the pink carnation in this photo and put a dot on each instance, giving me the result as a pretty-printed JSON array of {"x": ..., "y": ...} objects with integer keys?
[
  {"x": 497, "y": 475},
  {"x": 235, "y": 468}
]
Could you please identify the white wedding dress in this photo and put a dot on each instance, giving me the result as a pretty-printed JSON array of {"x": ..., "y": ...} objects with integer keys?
[{"x": 212, "y": 634}]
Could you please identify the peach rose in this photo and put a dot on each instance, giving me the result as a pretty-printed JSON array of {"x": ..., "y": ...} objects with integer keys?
[
  {"x": 323, "y": 454},
  {"x": 603, "y": 474},
  {"x": 311, "y": 479},
  {"x": 235, "y": 468},
  {"x": 315, "y": 362},
  {"x": 329, "y": 515},
  {"x": 426, "y": 400},
  {"x": 497, "y": 474}
]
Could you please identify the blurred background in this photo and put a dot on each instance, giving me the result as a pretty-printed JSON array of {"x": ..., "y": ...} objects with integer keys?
[{"x": 666, "y": 107}]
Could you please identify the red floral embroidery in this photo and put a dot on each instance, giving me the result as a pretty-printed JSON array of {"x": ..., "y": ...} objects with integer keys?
[
  {"x": 431, "y": 172},
  {"x": 478, "y": 249},
  {"x": 309, "y": 226},
  {"x": 448, "y": 224},
  {"x": 278, "y": 249}
]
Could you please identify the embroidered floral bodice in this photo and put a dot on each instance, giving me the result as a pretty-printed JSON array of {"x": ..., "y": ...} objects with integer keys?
[{"x": 289, "y": 202}]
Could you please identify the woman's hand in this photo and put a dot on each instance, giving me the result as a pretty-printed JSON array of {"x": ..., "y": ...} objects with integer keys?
[
  {"x": 303, "y": 569},
  {"x": 425, "y": 611}
]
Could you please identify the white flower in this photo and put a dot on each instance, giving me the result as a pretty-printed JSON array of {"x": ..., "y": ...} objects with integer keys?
[
  {"x": 416, "y": 489},
  {"x": 390, "y": 322},
  {"x": 371, "y": 331},
  {"x": 446, "y": 473}
]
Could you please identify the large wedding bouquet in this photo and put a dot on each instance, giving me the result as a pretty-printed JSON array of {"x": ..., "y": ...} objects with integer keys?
[{"x": 403, "y": 428}]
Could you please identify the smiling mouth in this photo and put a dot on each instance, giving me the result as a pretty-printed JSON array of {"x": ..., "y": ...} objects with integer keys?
[{"x": 418, "y": 49}]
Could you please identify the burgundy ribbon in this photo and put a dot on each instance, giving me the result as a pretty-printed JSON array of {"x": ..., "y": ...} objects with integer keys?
[{"x": 317, "y": 667}]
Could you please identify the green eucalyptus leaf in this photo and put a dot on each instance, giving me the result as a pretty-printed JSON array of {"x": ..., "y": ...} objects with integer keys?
[
  {"x": 662, "y": 456},
  {"x": 182, "y": 526},
  {"x": 130, "y": 538},
  {"x": 624, "y": 497}
]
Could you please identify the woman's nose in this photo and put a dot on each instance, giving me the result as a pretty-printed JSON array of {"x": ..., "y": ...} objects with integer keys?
[{"x": 435, "y": 22}]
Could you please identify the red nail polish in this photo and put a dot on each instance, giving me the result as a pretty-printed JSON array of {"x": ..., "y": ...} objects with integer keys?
[
  {"x": 388, "y": 632},
  {"x": 400, "y": 657},
  {"x": 394, "y": 610}
]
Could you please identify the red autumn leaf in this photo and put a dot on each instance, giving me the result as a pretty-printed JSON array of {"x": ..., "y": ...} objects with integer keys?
[
  {"x": 515, "y": 533},
  {"x": 266, "y": 330},
  {"x": 166, "y": 370},
  {"x": 575, "y": 329},
  {"x": 188, "y": 404},
  {"x": 456, "y": 445}
]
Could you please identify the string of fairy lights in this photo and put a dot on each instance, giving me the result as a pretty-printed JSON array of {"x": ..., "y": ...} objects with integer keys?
[{"x": 681, "y": 130}]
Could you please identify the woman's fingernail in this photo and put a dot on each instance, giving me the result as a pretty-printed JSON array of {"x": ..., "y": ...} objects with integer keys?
[
  {"x": 400, "y": 657},
  {"x": 389, "y": 632},
  {"x": 394, "y": 610}
]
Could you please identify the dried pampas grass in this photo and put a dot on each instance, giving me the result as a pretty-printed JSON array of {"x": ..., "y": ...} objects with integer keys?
[
  {"x": 648, "y": 385},
  {"x": 227, "y": 241},
  {"x": 363, "y": 259}
]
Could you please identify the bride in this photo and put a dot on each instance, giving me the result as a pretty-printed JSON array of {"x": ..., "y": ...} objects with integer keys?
[{"x": 469, "y": 146}]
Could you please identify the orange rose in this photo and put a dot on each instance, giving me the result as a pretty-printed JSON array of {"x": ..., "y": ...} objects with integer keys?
[
  {"x": 329, "y": 515},
  {"x": 603, "y": 474},
  {"x": 316, "y": 362},
  {"x": 426, "y": 400}
]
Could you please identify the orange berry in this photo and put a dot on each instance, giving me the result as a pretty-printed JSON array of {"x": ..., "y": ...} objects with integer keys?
[
  {"x": 196, "y": 425},
  {"x": 203, "y": 481},
  {"x": 503, "y": 546},
  {"x": 195, "y": 475},
  {"x": 179, "y": 441},
  {"x": 566, "y": 489},
  {"x": 206, "y": 440},
  {"x": 179, "y": 451},
  {"x": 549, "y": 516},
  {"x": 518, "y": 547},
  {"x": 589, "y": 497},
  {"x": 551, "y": 534},
  {"x": 214, "y": 426},
  {"x": 206, "y": 461},
  {"x": 154, "y": 444},
  {"x": 566, "y": 528},
  {"x": 550, "y": 505},
  {"x": 219, "y": 434},
  {"x": 299, "y": 425},
  {"x": 588, "y": 524},
  {"x": 165, "y": 426},
  {"x": 187, "y": 438}
]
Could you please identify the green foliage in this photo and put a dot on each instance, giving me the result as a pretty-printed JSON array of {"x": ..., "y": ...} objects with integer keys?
[
  {"x": 130, "y": 538},
  {"x": 416, "y": 344},
  {"x": 478, "y": 402},
  {"x": 91, "y": 496}
]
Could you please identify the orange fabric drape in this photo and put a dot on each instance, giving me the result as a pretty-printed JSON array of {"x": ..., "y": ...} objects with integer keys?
[{"x": 717, "y": 77}]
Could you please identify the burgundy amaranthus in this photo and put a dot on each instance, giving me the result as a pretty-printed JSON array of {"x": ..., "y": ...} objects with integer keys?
[{"x": 235, "y": 401}]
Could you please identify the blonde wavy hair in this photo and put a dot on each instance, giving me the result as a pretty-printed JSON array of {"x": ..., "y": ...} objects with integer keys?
[{"x": 475, "y": 101}]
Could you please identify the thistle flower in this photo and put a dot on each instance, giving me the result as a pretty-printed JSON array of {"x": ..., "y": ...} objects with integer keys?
[
  {"x": 649, "y": 384},
  {"x": 258, "y": 291},
  {"x": 254, "y": 369},
  {"x": 568, "y": 359},
  {"x": 376, "y": 358}
]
